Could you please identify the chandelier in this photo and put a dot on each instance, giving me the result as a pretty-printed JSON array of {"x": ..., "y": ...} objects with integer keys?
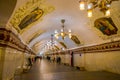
[
  {"x": 103, "y": 5},
  {"x": 62, "y": 32},
  {"x": 51, "y": 43}
]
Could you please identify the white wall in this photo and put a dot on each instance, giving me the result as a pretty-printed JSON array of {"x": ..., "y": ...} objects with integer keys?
[
  {"x": 13, "y": 63},
  {"x": 79, "y": 60},
  {"x": 108, "y": 61},
  {"x": 13, "y": 60},
  {"x": 102, "y": 61},
  {"x": 67, "y": 59}
]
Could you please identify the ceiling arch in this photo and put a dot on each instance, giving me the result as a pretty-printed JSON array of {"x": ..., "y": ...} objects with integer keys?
[
  {"x": 55, "y": 10},
  {"x": 6, "y": 9}
]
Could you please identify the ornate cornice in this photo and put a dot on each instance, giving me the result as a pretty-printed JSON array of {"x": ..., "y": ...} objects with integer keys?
[
  {"x": 9, "y": 39},
  {"x": 105, "y": 47}
]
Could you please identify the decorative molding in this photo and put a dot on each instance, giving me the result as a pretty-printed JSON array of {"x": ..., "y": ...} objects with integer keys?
[
  {"x": 105, "y": 47},
  {"x": 34, "y": 36},
  {"x": 63, "y": 44},
  {"x": 31, "y": 18},
  {"x": 9, "y": 39},
  {"x": 106, "y": 26},
  {"x": 25, "y": 10},
  {"x": 115, "y": 20},
  {"x": 75, "y": 39}
]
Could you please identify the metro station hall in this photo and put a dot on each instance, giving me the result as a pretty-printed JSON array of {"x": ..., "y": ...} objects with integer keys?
[{"x": 59, "y": 39}]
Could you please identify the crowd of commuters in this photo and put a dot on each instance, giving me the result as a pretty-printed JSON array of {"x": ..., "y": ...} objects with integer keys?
[
  {"x": 31, "y": 60},
  {"x": 54, "y": 59}
]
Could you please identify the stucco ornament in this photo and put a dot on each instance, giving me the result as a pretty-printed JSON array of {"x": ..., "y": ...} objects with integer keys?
[{"x": 29, "y": 11}]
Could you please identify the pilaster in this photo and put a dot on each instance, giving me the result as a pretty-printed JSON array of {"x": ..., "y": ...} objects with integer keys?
[{"x": 2, "y": 58}]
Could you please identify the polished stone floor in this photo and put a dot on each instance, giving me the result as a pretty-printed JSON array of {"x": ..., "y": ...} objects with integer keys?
[{"x": 45, "y": 70}]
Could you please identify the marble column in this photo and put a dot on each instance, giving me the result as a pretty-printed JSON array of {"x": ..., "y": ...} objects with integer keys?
[{"x": 2, "y": 58}]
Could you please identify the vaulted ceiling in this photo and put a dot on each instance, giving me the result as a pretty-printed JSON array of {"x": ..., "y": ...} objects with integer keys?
[{"x": 35, "y": 20}]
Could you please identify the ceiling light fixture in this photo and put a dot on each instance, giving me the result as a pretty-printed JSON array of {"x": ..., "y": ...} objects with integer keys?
[
  {"x": 62, "y": 32},
  {"x": 50, "y": 45},
  {"x": 103, "y": 5}
]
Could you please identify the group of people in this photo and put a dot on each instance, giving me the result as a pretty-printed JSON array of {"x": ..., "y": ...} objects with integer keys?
[
  {"x": 31, "y": 60},
  {"x": 38, "y": 57},
  {"x": 58, "y": 60},
  {"x": 54, "y": 59}
]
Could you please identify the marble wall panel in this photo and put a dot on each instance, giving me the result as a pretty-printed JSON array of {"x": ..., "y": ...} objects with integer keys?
[
  {"x": 2, "y": 55},
  {"x": 100, "y": 61},
  {"x": 13, "y": 61}
]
